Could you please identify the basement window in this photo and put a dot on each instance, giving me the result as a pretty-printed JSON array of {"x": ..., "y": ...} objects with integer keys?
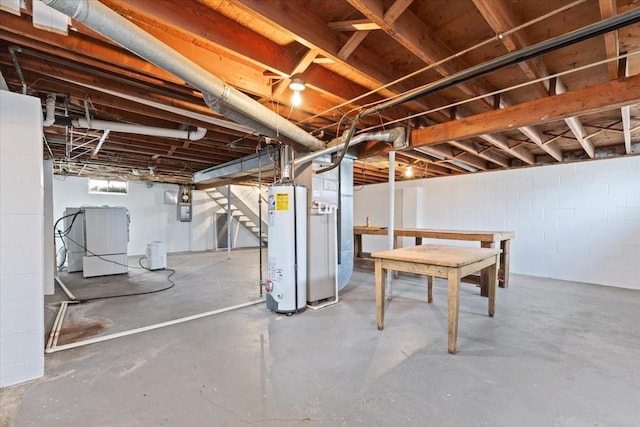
[{"x": 107, "y": 186}]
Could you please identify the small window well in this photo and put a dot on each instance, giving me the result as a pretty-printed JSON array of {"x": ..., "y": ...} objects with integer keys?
[{"x": 106, "y": 186}]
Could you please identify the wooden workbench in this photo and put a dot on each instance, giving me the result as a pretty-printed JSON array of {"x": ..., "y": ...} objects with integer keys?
[
  {"x": 487, "y": 239},
  {"x": 449, "y": 262}
]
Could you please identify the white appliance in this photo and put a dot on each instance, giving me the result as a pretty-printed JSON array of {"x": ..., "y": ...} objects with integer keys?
[
  {"x": 323, "y": 202},
  {"x": 156, "y": 255},
  {"x": 286, "y": 282},
  {"x": 97, "y": 239}
]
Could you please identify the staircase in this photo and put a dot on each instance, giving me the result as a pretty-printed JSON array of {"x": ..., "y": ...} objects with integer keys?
[{"x": 241, "y": 212}]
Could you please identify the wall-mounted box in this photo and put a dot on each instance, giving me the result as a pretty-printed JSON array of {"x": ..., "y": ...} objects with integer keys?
[{"x": 184, "y": 212}]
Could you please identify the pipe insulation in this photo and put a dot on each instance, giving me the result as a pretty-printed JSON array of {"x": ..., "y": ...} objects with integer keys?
[
  {"x": 140, "y": 129},
  {"x": 245, "y": 110}
]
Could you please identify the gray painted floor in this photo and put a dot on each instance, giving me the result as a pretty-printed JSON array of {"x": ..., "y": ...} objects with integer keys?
[{"x": 555, "y": 354}]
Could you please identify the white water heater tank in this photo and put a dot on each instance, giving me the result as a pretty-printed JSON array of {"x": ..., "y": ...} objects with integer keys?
[
  {"x": 156, "y": 256},
  {"x": 287, "y": 249}
]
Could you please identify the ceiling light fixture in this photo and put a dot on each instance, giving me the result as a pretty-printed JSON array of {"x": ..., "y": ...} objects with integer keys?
[
  {"x": 297, "y": 86},
  {"x": 408, "y": 172}
]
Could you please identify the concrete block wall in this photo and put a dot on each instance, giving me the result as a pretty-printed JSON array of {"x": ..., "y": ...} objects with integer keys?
[
  {"x": 21, "y": 239},
  {"x": 578, "y": 221}
]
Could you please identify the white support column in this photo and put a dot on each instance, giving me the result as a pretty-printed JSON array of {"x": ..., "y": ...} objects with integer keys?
[
  {"x": 391, "y": 227},
  {"x": 50, "y": 261},
  {"x": 22, "y": 239},
  {"x": 229, "y": 217}
]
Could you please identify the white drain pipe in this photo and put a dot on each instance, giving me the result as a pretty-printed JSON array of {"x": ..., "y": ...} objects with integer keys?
[
  {"x": 55, "y": 348},
  {"x": 218, "y": 95},
  {"x": 140, "y": 129}
]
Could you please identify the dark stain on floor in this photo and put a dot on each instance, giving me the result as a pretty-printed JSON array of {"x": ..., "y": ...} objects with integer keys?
[{"x": 73, "y": 332}]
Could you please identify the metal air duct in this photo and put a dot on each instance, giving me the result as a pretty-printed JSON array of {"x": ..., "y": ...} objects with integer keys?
[{"x": 224, "y": 98}]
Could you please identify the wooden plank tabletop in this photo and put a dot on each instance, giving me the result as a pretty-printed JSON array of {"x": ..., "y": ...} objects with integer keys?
[
  {"x": 473, "y": 235},
  {"x": 455, "y": 234},
  {"x": 442, "y": 255}
]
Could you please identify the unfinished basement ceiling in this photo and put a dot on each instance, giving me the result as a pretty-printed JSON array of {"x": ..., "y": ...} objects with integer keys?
[{"x": 350, "y": 54}]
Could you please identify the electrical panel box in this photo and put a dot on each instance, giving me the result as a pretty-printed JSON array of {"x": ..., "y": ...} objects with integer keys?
[
  {"x": 184, "y": 204},
  {"x": 184, "y": 212}
]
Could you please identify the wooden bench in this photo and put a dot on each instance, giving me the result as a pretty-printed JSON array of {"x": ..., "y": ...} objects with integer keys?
[
  {"x": 449, "y": 262},
  {"x": 487, "y": 239}
]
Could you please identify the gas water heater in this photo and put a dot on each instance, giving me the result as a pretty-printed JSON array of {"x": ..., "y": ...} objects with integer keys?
[{"x": 286, "y": 283}]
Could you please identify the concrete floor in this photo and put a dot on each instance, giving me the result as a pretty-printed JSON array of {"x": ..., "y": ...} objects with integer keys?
[{"x": 556, "y": 354}]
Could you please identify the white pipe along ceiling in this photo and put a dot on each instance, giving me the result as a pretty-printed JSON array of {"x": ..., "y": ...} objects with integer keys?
[
  {"x": 88, "y": 123},
  {"x": 140, "y": 129}
]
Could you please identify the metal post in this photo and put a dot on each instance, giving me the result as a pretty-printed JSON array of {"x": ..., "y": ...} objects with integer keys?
[
  {"x": 391, "y": 228},
  {"x": 260, "y": 217},
  {"x": 228, "y": 221}
]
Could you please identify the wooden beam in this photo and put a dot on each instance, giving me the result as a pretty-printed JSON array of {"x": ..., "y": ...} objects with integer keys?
[
  {"x": 309, "y": 30},
  {"x": 20, "y": 30},
  {"x": 395, "y": 10},
  {"x": 353, "y": 25},
  {"x": 411, "y": 33},
  {"x": 502, "y": 142},
  {"x": 408, "y": 30},
  {"x": 440, "y": 167},
  {"x": 235, "y": 73},
  {"x": 605, "y": 96},
  {"x": 551, "y": 147},
  {"x": 501, "y": 19},
  {"x": 299, "y": 68},
  {"x": 166, "y": 21},
  {"x": 575, "y": 125},
  {"x": 117, "y": 61},
  {"x": 351, "y": 44},
  {"x": 485, "y": 154},
  {"x": 208, "y": 26},
  {"x": 611, "y": 45},
  {"x": 464, "y": 156}
]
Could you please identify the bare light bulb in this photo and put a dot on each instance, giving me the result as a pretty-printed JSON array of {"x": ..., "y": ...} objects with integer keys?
[
  {"x": 408, "y": 172},
  {"x": 296, "y": 99}
]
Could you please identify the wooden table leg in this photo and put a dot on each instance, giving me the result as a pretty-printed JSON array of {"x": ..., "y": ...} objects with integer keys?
[
  {"x": 429, "y": 289},
  {"x": 357, "y": 246},
  {"x": 380, "y": 279},
  {"x": 505, "y": 245},
  {"x": 397, "y": 243},
  {"x": 493, "y": 280},
  {"x": 453, "y": 278},
  {"x": 484, "y": 274}
]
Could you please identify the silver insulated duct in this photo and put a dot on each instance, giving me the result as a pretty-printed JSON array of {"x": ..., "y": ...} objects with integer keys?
[{"x": 218, "y": 95}]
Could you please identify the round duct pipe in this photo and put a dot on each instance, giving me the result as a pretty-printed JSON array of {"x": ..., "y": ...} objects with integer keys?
[
  {"x": 107, "y": 22},
  {"x": 140, "y": 129}
]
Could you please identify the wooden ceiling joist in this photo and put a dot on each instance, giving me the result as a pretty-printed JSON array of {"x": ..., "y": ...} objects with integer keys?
[
  {"x": 257, "y": 46},
  {"x": 610, "y": 95}
]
